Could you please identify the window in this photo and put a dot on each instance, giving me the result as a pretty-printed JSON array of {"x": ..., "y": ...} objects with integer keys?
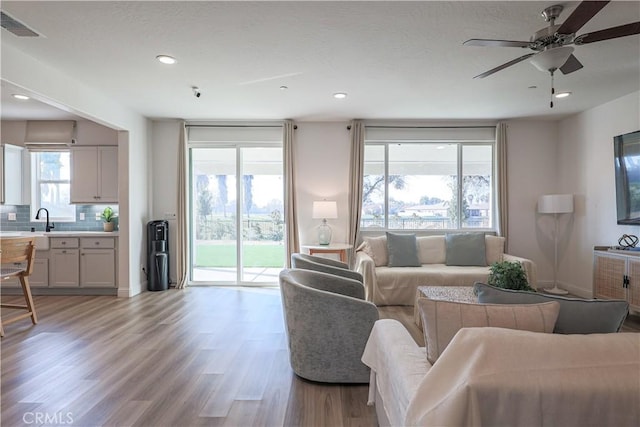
[
  {"x": 51, "y": 185},
  {"x": 417, "y": 185}
]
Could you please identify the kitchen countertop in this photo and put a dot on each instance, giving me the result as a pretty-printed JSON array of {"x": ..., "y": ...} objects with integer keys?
[{"x": 36, "y": 233}]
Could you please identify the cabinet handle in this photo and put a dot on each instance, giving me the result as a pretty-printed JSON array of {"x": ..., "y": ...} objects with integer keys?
[
  {"x": 64, "y": 252},
  {"x": 97, "y": 243},
  {"x": 64, "y": 243}
]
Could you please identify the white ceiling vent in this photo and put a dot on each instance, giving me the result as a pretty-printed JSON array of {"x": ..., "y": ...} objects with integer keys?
[
  {"x": 16, "y": 27},
  {"x": 50, "y": 134}
]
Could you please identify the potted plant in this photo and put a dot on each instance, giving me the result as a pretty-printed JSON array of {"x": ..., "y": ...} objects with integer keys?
[
  {"x": 108, "y": 216},
  {"x": 509, "y": 275}
]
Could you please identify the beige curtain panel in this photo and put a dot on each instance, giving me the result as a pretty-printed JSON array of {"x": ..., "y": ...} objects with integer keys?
[
  {"x": 356, "y": 178},
  {"x": 292, "y": 243},
  {"x": 182, "y": 252},
  {"x": 501, "y": 180}
]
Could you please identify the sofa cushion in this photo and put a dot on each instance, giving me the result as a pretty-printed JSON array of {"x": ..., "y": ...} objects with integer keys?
[
  {"x": 466, "y": 249},
  {"x": 494, "y": 247},
  {"x": 431, "y": 249},
  {"x": 402, "y": 250},
  {"x": 441, "y": 320},
  {"x": 376, "y": 248},
  {"x": 577, "y": 316}
]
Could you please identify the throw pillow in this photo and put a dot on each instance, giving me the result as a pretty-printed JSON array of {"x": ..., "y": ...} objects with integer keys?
[
  {"x": 466, "y": 249},
  {"x": 441, "y": 320},
  {"x": 376, "y": 248},
  {"x": 431, "y": 249},
  {"x": 495, "y": 248},
  {"x": 577, "y": 316},
  {"x": 402, "y": 250}
]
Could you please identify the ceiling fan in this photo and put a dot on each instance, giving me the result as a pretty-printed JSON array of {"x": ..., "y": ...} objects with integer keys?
[{"x": 550, "y": 45}]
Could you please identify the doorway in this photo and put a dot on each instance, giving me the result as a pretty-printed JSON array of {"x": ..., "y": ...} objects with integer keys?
[{"x": 237, "y": 214}]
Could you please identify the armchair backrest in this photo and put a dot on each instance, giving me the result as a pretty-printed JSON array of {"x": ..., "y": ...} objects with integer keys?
[
  {"x": 324, "y": 265},
  {"x": 317, "y": 280}
]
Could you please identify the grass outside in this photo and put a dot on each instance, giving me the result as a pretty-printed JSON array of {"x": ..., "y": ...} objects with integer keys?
[{"x": 260, "y": 255}]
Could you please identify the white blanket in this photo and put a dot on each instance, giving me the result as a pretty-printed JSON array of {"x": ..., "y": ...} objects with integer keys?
[
  {"x": 494, "y": 377},
  {"x": 398, "y": 366}
]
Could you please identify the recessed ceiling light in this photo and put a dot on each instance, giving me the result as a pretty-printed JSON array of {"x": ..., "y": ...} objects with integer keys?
[
  {"x": 166, "y": 59},
  {"x": 562, "y": 94},
  {"x": 284, "y": 87},
  {"x": 22, "y": 97},
  {"x": 339, "y": 95}
]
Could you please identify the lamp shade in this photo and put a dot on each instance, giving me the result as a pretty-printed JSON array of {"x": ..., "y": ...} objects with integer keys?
[
  {"x": 555, "y": 203},
  {"x": 325, "y": 209},
  {"x": 551, "y": 59}
]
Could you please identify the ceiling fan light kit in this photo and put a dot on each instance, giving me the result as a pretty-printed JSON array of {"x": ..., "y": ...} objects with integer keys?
[
  {"x": 551, "y": 59},
  {"x": 549, "y": 45}
]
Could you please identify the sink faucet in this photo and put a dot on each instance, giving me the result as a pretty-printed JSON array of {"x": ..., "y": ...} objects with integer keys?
[{"x": 49, "y": 226}]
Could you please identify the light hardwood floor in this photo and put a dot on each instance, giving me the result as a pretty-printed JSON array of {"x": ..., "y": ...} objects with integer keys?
[{"x": 205, "y": 356}]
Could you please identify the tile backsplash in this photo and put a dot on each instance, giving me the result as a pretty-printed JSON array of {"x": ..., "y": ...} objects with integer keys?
[{"x": 24, "y": 221}]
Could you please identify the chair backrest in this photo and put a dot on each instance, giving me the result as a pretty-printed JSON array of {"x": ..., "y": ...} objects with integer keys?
[
  {"x": 18, "y": 250},
  {"x": 312, "y": 281},
  {"x": 325, "y": 265}
]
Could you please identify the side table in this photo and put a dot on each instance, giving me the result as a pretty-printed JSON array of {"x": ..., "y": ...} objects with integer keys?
[{"x": 334, "y": 248}]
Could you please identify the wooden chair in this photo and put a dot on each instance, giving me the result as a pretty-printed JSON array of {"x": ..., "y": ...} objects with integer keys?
[{"x": 16, "y": 257}]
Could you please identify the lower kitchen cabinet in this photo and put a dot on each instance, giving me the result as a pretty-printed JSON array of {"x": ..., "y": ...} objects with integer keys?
[
  {"x": 64, "y": 269},
  {"x": 39, "y": 277},
  {"x": 98, "y": 268}
]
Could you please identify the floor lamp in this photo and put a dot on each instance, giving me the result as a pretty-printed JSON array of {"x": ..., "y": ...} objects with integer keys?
[{"x": 555, "y": 204}]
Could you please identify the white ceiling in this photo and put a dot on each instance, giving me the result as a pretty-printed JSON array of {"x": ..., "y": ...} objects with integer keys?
[{"x": 396, "y": 60}]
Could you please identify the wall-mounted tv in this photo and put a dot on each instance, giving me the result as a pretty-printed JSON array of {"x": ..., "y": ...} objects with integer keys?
[{"x": 627, "y": 167}]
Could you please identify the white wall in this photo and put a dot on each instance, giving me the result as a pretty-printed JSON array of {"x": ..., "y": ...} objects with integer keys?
[
  {"x": 322, "y": 167},
  {"x": 532, "y": 171},
  {"x": 49, "y": 85},
  {"x": 586, "y": 169}
]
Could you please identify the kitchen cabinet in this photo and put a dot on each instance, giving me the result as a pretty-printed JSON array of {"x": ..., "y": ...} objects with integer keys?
[
  {"x": 97, "y": 262},
  {"x": 616, "y": 275},
  {"x": 39, "y": 277},
  {"x": 94, "y": 174},
  {"x": 64, "y": 259},
  {"x": 12, "y": 175}
]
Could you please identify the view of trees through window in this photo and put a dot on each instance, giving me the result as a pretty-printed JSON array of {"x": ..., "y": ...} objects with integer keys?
[
  {"x": 51, "y": 187},
  {"x": 416, "y": 186}
]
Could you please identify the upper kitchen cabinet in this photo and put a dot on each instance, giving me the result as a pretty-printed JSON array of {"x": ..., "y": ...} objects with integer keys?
[
  {"x": 94, "y": 174},
  {"x": 12, "y": 172}
]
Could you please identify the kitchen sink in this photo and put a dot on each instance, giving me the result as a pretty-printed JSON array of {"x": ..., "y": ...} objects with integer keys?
[{"x": 42, "y": 241}]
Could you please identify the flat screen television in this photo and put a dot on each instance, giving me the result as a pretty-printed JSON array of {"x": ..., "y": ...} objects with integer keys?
[{"x": 627, "y": 169}]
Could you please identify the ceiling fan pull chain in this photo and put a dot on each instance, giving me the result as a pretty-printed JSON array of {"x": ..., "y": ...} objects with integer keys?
[{"x": 553, "y": 89}]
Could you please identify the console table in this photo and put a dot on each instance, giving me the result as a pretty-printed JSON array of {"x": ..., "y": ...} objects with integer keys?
[{"x": 334, "y": 248}]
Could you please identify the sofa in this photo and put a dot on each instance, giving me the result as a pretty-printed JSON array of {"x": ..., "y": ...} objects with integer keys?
[
  {"x": 456, "y": 259},
  {"x": 497, "y": 377}
]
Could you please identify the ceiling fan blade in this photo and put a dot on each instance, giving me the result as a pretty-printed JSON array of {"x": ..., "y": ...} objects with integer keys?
[
  {"x": 609, "y": 33},
  {"x": 495, "y": 43},
  {"x": 580, "y": 16},
  {"x": 503, "y": 66},
  {"x": 571, "y": 65}
]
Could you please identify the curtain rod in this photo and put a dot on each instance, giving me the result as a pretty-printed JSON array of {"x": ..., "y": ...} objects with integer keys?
[
  {"x": 237, "y": 126},
  {"x": 427, "y": 127}
]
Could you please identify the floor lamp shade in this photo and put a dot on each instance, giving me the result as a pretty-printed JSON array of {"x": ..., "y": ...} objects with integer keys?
[
  {"x": 555, "y": 203},
  {"x": 325, "y": 209}
]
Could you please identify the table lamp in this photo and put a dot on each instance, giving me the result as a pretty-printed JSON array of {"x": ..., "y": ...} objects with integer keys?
[
  {"x": 555, "y": 204},
  {"x": 325, "y": 209}
]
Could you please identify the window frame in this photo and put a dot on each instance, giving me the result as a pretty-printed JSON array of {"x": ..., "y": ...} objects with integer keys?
[
  {"x": 460, "y": 144},
  {"x": 36, "y": 181}
]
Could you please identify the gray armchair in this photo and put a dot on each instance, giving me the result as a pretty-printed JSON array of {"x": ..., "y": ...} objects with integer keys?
[
  {"x": 324, "y": 265},
  {"x": 328, "y": 323}
]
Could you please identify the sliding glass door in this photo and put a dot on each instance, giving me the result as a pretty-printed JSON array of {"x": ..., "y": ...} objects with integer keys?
[{"x": 237, "y": 214}]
